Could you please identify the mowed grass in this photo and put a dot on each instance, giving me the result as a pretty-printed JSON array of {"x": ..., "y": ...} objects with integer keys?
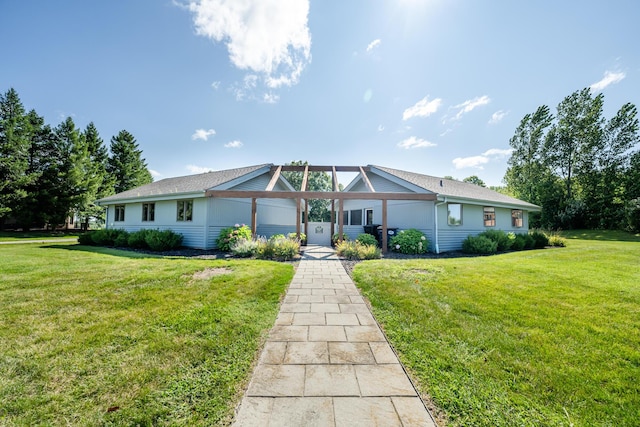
[
  {"x": 16, "y": 236},
  {"x": 537, "y": 338},
  {"x": 94, "y": 336}
]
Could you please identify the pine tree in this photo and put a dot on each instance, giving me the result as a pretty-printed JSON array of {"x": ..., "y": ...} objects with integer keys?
[
  {"x": 126, "y": 165},
  {"x": 98, "y": 158}
]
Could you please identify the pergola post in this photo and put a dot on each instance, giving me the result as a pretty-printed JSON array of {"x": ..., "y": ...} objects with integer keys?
[
  {"x": 340, "y": 219},
  {"x": 298, "y": 200},
  {"x": 384, "y": 226},
  {"x": 306, "y": 218},
  {"x": 333, "y": 217},
  {"x": 254, "y": 216}
]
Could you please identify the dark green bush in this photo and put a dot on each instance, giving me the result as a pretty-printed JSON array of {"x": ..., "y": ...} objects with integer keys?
[
  {"x": 137, "y": 239},
  {"x": 530, "y": 242},
  {"x": 479, "y": 245},
  {"x": 86, "y": 238},
  {"x": 540, "y": 240},
  {"x": 500, "y": 237},
  {"x": 163, "y": 240},
  {"x": 107, "y": 237},
  {"x": 121, "y": 241},
  {"x": 519, "y": 242},
  {"x": 367, "y": 239},
  {"x": 410, "y": 242}
]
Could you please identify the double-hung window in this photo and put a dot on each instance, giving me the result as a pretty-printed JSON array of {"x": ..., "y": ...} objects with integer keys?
[
  {"x": 185, "y": 210},
  {"x": 516, "y": 218},
  {"x": 148, "y": 211},
  {"x": 454, "y": 214},
  {"x": 119, "y": 213},
  {"x": 489, "y": 214}
]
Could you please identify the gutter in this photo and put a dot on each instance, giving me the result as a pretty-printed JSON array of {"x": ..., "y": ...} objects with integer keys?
[{"x": 435, "y": 213}]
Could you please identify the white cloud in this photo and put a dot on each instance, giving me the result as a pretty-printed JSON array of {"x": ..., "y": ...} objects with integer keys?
[
  {"x": 380, "y": 128},
  {"x": 608, "y": 79},
  {"x": 470, "y": 162},
  {"x": 203, "y": 134},
  {"x": 267, "y": 37},
  {"x": 414, "y": 142},
  {"x": 497, "y": 117},
  {"x": 198, "y": 169},
  {"x": 154, "y": 173},
  {"x": 270, "y": 98},
  {"x": 423, "y": 108},
  {"x": 497, "y": 153},
  {"x": 234, "y": 144},
  {"x": 373, "y": 45},
  {"x": 215, "y": 85},
  {"x": 477, "y": 161},
  {"x": 470, "y": 105}
]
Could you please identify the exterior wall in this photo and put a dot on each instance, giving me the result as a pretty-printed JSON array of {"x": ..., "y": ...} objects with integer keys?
[
  {"x": 380, "y": 184},
  {"x": 165, "y": 218},
  {"x": 450, "y": 237}
]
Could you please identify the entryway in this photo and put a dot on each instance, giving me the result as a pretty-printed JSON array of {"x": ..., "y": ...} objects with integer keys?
[{"x": 319, "y": 233}]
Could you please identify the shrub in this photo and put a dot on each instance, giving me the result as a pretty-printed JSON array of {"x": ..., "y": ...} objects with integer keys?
[
  {"x": 86, "y": 238},
  {"x": 519, "y": 242},
  {"x": 336, "y": 237},
  {"x": 500, "y": 237},
  {"x": 356, "y": 250},
  {"x": 540, "y": 240},
  {"x": 347, "y": 250},
  {"x": 244, "y": 248},
  {"x": 367, "y": 239},
  {"x": 281, "y": 249},
  {"x": 228, "y": 236},
  {"x": 479, "y": 245},
  {"x": 369, "y": 252},
  {"x": 558, "y": 241},
  {"x": 121, "y": 240},
  {"x": 137, "y": 239},
  {"x": 277, "y": 237},
  {"x": 294, "y": 236},
  {"x": 530, "y": 242},
  {"x": 163, "y": 240},
  {"x": 409, "y": 241},
  {"x": 107, "y": 237}
]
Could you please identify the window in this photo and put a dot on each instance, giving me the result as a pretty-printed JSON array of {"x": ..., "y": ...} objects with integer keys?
[
  {"x": 368, "y": 214},
  {"x": 185, "y": 210},
  {"x": 489, "y": 217},
  {"x": 345, "y": 218},
  {"x": 454, "y": 214},
  {"x": 516, "y": 218},
  {"x": 148, "y": 211},
  {"x": 356, "y": 217},
  {"x": 119, "y": 216}
]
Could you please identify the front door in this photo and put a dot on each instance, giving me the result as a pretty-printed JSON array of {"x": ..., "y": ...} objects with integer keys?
[{"x": 319, "y": 233}]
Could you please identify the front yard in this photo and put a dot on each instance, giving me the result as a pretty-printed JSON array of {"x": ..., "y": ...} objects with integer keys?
[
  {"x": 535, "y": 338},
  {"x": 94, "y": 336}
]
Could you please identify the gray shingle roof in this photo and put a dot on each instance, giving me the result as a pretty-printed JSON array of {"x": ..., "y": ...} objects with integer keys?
[
  {"x": 184, "y": 184},
  {"x": 456, "y": 189}
]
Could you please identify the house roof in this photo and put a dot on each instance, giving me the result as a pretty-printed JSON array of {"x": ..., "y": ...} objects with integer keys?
[
  {"x": 455, "y": 189},
  {"x": 184, "y": 184}
]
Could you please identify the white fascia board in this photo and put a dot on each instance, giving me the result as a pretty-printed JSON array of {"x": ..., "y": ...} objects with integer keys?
[
  {"x": 158, "y": 198},
  {"x": 478, "y": 202}
]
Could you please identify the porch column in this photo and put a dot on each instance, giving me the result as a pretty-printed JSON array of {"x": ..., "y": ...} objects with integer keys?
[
  {"x": 298, "y": 200},
  {"x": 333, "y": 217},
  {"x": 340, "y": 220},
  {"x": 306, "y": 218},
  {"x": 254, "y": 217},
  {"x": 384, "y": 226}
]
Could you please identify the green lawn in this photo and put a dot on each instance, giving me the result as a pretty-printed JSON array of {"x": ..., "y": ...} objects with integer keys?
[
  {"x": 9, "y": 236},
  {"x": 536, "y": 338},
  {"x": 93, "y": 336}
]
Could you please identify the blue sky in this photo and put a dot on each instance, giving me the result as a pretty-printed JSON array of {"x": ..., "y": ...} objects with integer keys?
[{"x": 430, "y": 86}]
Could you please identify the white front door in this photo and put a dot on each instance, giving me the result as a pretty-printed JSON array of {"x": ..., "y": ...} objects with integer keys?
[{"x": 319, "y": 233}]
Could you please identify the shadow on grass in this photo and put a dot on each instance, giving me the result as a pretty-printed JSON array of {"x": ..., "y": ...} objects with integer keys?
[
  {"x": 139, "y": 254},
  {"x": 602, "y": 235}
]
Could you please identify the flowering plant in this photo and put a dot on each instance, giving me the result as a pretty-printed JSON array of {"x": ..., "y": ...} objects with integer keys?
[
  {"x": 230, "y": 235},
  {"x": 410, "y": 241}
]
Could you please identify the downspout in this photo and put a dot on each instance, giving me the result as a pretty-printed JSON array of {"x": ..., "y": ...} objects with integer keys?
[{"x": 437, "y": 244}]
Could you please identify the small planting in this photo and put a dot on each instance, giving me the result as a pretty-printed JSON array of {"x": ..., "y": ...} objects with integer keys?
[
  {"x": 244, "y": 248},
  {"x": 107, "y": 237},
  {"x": 519, "y": 242},
  {"x": 280, "y": 248},
  {"x": 411, "y": 242},
  {"x": 356, "y": 251},
  {"x": 163, "y": 240},
  {"x": 294, "y": 236},
  {"x": 137, "y": 239},
  {"x": 336, "y": 238},
  {"x": 228, "y": 236},
  {"x": 503, "y": 240},
  {"x": 540, "y": 240},
  {"x": 479, "y": 245},
  {"x": 367, "y": 239},
  {"x": 557, "y": 241}
]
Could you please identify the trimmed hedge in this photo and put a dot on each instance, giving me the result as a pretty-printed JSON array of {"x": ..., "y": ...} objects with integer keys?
[{"x": 155, "y": 240}]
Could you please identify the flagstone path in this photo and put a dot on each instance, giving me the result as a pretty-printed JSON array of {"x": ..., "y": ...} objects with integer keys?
[{"x": 326, "y": 362}]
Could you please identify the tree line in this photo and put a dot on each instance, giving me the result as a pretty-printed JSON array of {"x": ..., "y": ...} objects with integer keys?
[
  {"x": 50, "y": 173},
  {"x": 582, "y": 169}
]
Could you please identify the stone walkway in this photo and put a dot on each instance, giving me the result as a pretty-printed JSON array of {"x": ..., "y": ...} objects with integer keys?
[{"x": 326, "y": 362}]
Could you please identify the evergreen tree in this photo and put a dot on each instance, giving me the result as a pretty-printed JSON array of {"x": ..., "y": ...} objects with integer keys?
[
  {"x": 98, "y": 161},
  {"x": 126, "y": 166},
  {"x": 14, "y": 154},
  {"x": 316, "y": 181}
]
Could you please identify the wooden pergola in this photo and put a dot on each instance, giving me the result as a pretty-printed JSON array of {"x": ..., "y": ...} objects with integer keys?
[{"x": 334, "y": 195}]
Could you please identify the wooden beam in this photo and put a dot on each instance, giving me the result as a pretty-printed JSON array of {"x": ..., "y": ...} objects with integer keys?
[
  {"x": 384, "y": 226},
  {"x": 365, "y": 178},
  {"x": 327, "y": 195},
  {"x": 254, "y": 217},
  {"x": 305, "y": 176},
  {"x": 274, "y": 179}
]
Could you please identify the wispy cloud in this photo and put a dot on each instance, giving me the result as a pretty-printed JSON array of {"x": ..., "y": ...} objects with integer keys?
[
  {"x": 469, "y": 105},
  {"x": 477, "y": 161},
  {"x": 497, "y": 117},
  {"x": 373, "y": 45},
  {"x": 415, "y": 142},
  {"x": 203, "y": 134},
  {"x": 380, "y": 128},
  {"x": 269, "y": 38},
  {"x": 270, "y": 98},
  {"x": 234, "y": 144},
  {"x": 215, "y": 85},
  {"x": 422, "y": 108},
  {"x": 155, "y": 173},
  {"x": 198, "y": 169},
  {"x": 609, "y": 78}
]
